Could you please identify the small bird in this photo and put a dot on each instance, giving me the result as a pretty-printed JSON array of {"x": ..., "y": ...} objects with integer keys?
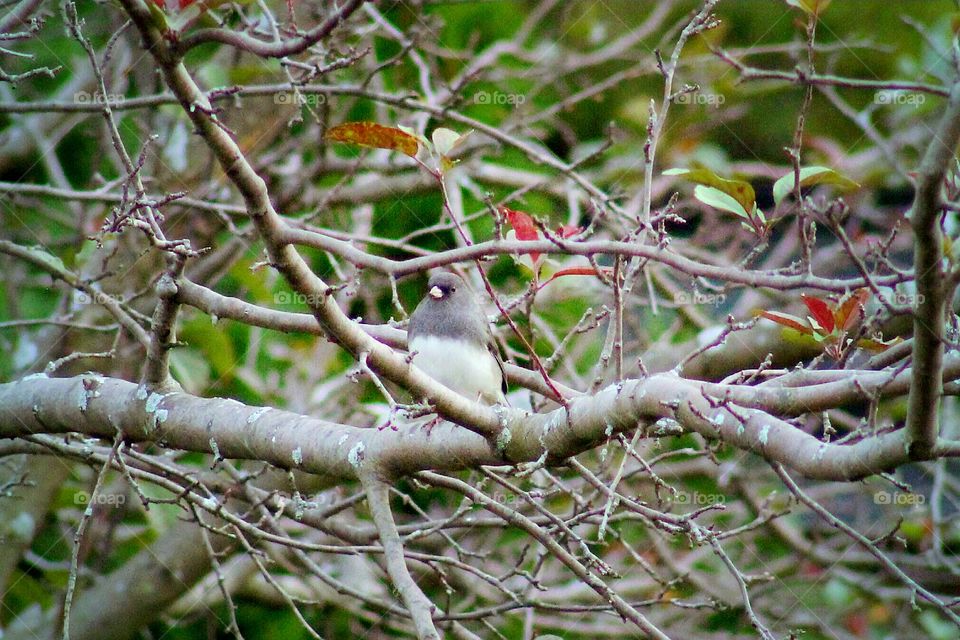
[{"x": 451, "y": 342}]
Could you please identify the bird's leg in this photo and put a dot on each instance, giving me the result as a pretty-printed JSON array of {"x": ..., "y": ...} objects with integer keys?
[
  {"x": 409, "y": 411},
  {"x": 430, "y": 425},
  {"x": 388, "y": 423}
]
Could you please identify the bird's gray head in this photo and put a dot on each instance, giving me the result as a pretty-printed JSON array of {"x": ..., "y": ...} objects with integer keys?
[
  {"x": 443, "y": 286},
  {"x": 448, "y": 309}
]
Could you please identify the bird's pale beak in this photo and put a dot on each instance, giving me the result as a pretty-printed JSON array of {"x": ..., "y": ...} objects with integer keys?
[{"x": 435, "y": 293}]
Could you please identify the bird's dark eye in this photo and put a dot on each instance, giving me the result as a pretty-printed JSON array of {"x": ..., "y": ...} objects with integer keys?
[{"x": 452, "y": 289}]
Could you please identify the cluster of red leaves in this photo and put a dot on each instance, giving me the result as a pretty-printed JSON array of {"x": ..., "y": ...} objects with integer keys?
[{"x": 829, "y": 322}]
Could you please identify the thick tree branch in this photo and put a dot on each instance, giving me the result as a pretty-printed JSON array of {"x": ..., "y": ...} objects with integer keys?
[
  {"x": 99, "y": 406},
  {"x": 928, "y": 325}
]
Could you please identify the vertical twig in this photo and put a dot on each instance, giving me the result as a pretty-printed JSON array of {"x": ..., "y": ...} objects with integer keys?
[{"x": 78, "y": 536}]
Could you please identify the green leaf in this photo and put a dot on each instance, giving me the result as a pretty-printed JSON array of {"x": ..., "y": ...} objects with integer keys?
[
  {"x": 934, "y": 625},
  {"x": 444, "y": 139},
  {"x": 837, "y": 593},
  {"x": 814, "y": 7},
  {"x": 212, "y": 343},
  {"x": 719, "y": 200},
  {"x": 47, "y": 258},
  {"x": 158, "y": 17},
  {"x": 190, "y": 369},
  {"x": 447, "y": 143},
  {"x": 810, "y": 176},
  {"x": 739, "y": 190}
]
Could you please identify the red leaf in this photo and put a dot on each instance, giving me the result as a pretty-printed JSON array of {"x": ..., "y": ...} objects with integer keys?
[
  {"x": 810, "y": 570},
  {"x": 522, "y": 223},
  {"x": 568, "y": 230},
  {"x": 856, "y": 623},
  {"x": 524, "y": 227},
  {"x": 575, "y": 271},
  {"x": 850, "y": 309},
  {"x": 820, "y": 311},
  {"x": 787, "y": 320},
  {"x": 186, "y": 3},
  {"x": 371, "y": 134}
]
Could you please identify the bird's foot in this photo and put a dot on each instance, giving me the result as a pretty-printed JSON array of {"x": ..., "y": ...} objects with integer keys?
[{"x": 430, "y": 425}]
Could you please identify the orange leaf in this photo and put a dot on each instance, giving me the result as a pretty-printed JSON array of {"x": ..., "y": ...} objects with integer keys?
[
  {"x": 821, "y": 312},
  {"x": 524, "y": 227},
  {"x": 850, "y": 309},
  {"x": 787, "y": 320},
  {"x": 371, "y": 134},
  {"x": 575, "y": 271}
]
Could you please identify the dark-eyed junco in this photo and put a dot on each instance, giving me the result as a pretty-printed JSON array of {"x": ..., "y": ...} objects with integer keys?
[{"x": 451, "y": 341}]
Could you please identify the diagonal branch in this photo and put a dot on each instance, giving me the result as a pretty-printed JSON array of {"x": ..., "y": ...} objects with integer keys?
[
  {"x": 283, "y": 255},
  {"x": 270, "y": 49}
]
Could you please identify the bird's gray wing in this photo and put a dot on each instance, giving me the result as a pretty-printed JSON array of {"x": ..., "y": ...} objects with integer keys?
[{"x": 495, "y": 352}]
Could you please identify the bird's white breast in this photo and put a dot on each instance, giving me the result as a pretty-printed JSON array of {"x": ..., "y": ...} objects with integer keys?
[{"x": 468, "y": 369}]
